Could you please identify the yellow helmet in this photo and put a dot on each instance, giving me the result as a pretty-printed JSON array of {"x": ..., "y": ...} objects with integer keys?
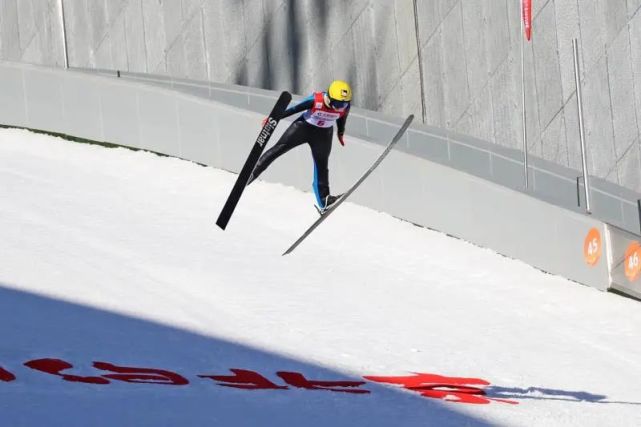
[{"x": 340, "y": 91}]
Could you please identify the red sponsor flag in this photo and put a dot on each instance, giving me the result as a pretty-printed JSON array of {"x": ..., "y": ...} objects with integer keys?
[{"x": 526, "y": 9}]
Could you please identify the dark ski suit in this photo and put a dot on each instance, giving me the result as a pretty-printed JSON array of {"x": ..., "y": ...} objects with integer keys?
[{"x": 314, "y": 127}]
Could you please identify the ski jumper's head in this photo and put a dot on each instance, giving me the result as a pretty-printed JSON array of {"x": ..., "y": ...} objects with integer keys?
[{"x": 339, "y": 95}]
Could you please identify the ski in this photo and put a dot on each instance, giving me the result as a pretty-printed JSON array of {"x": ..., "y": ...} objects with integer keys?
[
  {"x": 338, "y": 202},
  {"x": 264, "y": 135}
]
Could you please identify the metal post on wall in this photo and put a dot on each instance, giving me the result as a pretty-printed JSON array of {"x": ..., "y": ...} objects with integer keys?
[
  {"x": 524, "y": 115},
  {"x": 579, "y": 101},
  {"x": 64, "y": 32},
  {"x": 419, "y": 58}
]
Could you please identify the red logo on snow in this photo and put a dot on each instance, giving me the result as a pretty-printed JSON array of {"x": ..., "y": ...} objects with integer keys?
[{"x": 450, "y": 389}]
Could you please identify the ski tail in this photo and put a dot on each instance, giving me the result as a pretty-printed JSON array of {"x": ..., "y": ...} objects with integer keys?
[
  {"x": 263, "y": 137},
  {"x": 344, "y": 197}
]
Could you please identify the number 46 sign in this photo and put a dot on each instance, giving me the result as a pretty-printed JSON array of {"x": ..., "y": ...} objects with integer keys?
[{"x": 633, "y": 261}]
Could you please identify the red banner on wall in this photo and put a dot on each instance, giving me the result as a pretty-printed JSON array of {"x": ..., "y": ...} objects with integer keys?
[{"x": 526, "y": 9}]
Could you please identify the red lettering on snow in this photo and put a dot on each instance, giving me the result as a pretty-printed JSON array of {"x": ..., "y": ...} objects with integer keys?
[
  {"x": 298, "y": 380},
  {"x": 6, "y": 376},
  {"x": 141, "y": 375},
  {"x": 247, "y": 380},
  {"x": 56, "y": 366},
  {"x": 451, "y": 389}
]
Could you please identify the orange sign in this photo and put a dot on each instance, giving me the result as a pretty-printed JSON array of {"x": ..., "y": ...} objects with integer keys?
[
  {"x": 592, "y": 247},
  {"x": 633, "y": 261}
]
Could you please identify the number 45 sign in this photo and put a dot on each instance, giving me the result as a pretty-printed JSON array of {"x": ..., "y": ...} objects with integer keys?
[{"x": 592, "y": 247}]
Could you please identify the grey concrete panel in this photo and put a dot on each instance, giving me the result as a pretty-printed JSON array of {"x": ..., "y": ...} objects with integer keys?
[
  {"x": 634, "y": 28},
  {"x": 506, "y": 105},
  {"x": 621, "y": 80},
  {"x": 382, "y": 132},
  {"x": 158, "y": 114},
  {"x": 173, "y": 20},
  {"x": 118, "y": 35},
  {"x": 175, "y": 58},
  {"x": 616, "y": 18},
  {"x": 470, "y": 160},
  {"x": 356, "y": 126},
  {"x": 592, "y": 42},
  {"x": 241, "y": 128},
  {"x": 598, "y": 121},
  {"x": 431, "y": 147},
  {"x": 44, "y": 100},
  {"x": 12, "y": 108},
  {"x": 78, "y": 31},
  {"x": 136, "y": 50},
  {"x": 456, "y": 90},
  {"x": 475, "y": 44},
  {"x": 552, "y": 188},
  {"x": 235, "y": 99},
  {"x": 633, "y": 7},
  {"x": 498, "y": 35},
  {"x": 607, "y": 208},
  {"x": 508, "y": 173},
  {"x": 194, "y": 46},
  {"x": 26, "y": 23},
  {"x": 366, "y": 75},
  {"x": 567, "y": 29},
  {"x": 199, "y": 126},
  {"x": 81, "y": 108},
  {"x": 98, "y": 24},
  {"x": 10, "y": 30},
  {"x": 554, "y": 145},
  {"x": 630, "y": 167},
  {"x": 429, "y": 19},
  {"x": 102, "y": 55},
  {"x": 405, "y": 32},
  {"x": 434, "y": 93},
  {"x": 573, "y": 138},
  {"x": 191, "y": 89},
  {"x": 631, "y": 217},
  {"x": 479, "y": 117},
  {"x": 387, "y": 62},
  {"x": 119, "y": 104},
  {"x": 154, "y": 33},
  {"x": 401, "y": 175},
  {"x": 546, "y": 60},
  {"x": 410, "y": 93}
]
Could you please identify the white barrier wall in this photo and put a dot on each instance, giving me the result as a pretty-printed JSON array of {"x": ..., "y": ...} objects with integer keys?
[{"x": 407, "y": 186}]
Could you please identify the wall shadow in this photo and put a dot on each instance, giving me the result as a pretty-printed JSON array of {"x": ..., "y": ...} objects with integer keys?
[{"x": 37, "y": 327}]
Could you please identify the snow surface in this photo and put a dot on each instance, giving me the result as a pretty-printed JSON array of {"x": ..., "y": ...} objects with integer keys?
[{"x": 112, "y": 255}]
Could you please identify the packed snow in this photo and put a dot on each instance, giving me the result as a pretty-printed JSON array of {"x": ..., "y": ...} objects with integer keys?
[{"x": 123, "y": 304}]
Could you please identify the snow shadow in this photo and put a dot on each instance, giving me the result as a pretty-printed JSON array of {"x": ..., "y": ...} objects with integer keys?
[
  {"x": 541, "y": 393},
  {"x": 45, "y": 333}
]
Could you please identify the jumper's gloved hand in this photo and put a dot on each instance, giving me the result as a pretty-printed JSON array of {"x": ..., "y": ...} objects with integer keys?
[{"x": 340, "y": 139}]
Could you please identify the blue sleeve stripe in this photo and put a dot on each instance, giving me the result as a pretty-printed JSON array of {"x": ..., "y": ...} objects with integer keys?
[{"x": 308, "y": 99}]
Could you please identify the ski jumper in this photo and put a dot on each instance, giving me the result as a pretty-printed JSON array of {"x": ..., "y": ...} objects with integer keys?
[{"x": 314, "y": 127}]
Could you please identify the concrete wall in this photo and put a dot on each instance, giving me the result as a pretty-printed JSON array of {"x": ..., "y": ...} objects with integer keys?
[
  {"x": 469, "y": 51},
  {"x": 440, "y": 197}
]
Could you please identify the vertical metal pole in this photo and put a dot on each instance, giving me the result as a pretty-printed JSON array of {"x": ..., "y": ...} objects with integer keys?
[
  {"x": 419, "y": 58},
  {"x": 639, "y": 208},
  {"x": 579, "y": 101},
  {"x": 64, "y": 32},
  {"x": 524, "y": 117}
]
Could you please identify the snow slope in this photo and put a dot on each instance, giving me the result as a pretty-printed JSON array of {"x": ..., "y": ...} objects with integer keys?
[{"x": 112, "y": 256}]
